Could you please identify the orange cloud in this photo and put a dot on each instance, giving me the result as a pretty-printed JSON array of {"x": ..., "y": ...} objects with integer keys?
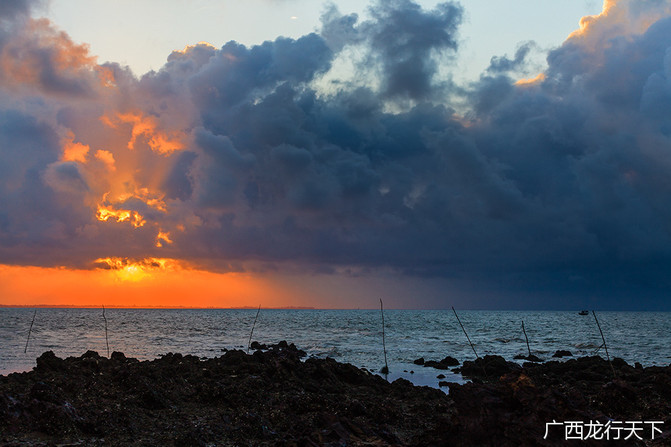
[
  {"x": 151, "y": 199},
  {"x": 104, "y": 214},
  {"x": 539, "y": 78},
  {"x": 202, "y": 43},
  {"x": 40, "y": 55},
  {"x": 74, "y": 151},
  {"x": 147, "y": 127},
  {"x": 106, "y": 76},
  {"x": 617, "y": 18},
  {"x": 114, "y": 210},
  {"x": 137, "y": 270},
  {"x": 68, "y": 55},
  {"x": 587, "y": 22},
  {"x": 107, "y": 158},
  {"x": 163, "y": 237}
]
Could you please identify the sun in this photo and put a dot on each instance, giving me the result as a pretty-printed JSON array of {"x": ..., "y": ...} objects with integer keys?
[
  {"x": 136, "y": 270},
  {"x": 133, "y": 273}
]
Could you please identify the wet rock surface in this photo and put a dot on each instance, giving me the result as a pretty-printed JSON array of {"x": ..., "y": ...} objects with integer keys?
[
  {"x": 530, "y": 358},
  {"x": 514, "y": 408},
  {"x": 271, "y": 397},
  {"x": 487, "y": 367},
  {"x": 445, "y": 363},
  {"x": 266, "y": 398}
]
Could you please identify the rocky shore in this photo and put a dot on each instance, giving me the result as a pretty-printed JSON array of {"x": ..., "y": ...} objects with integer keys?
[{"x": 274, "y": 398}]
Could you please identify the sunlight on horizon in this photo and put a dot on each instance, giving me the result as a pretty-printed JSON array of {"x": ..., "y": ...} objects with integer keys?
[{"x": 138, "y": 284}]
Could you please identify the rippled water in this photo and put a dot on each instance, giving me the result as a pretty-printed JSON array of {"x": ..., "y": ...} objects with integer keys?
[{"x": 353, "y": 336}]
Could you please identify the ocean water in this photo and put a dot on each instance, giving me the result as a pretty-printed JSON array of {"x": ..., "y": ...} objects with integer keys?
[{"x": 352, "y": 336}]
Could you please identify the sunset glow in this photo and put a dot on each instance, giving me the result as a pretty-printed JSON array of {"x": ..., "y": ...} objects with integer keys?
[
  {"x": 163, "y": 238},
  {"x": 73, "y": 151},
  {"x": 129, "y": 270},
  {"x": 105, "y": 214},
  {"x": 531, "y": 81},
  {"x": 138, "y": 284},
  {"x": 145, "y": 127},
  {"x": 342, "y": 162}
]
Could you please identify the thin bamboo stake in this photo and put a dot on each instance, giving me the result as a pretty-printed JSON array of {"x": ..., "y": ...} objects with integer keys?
[
  {"x": 484, "y": 370},
  {"x": 605, "y": 346},
  {"x": 106, "y": 339},
  {"x": 252, "y": 331},
  {"x": 526, "y": 338},
  {"x": 465, "y": 333},
  {"x": 29, "y": 331},
  {"x": 384, "y": 370}
]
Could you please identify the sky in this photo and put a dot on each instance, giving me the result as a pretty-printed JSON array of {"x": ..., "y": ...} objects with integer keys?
[
  {"x": 142, "y": 35},
  {"x": 497, "y": 155}
]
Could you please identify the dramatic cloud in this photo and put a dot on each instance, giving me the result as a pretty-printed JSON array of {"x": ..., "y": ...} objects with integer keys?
[
  {"x": 502, "y": 64},
  {"x": 405, "y": 41},
  {"x": 238, "y": 158}
]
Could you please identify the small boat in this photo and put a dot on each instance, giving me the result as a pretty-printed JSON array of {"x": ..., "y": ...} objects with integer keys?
[{"x": 583, "y": 312}]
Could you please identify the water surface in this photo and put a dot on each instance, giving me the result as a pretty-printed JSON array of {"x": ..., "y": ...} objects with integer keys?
[{"x": 353, "y": 336}]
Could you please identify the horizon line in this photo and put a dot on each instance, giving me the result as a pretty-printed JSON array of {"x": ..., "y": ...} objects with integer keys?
[
  {"x": 128, "y": 306},
  {"x": 148, "y": 307}
]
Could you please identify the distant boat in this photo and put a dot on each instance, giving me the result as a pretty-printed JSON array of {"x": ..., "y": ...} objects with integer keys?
[{"x": 583, "y": 312}]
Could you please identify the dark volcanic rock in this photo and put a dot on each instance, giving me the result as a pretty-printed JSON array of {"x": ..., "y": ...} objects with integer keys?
[
  {"x": 273, "y": 398},
  {"x": 489, "y": 367},
  {"x": 443, "y": 364},
  {"x": 118, "y": 356},
  {"x": 49, "y": 361},
  {"x": 514, "y": 409},
  {"x": 531, "y": 358},
  {"x": 265, "y": 399},
  {"x": 434, "y": 364},
  {"x": 256, "y": 346},
  {"x": 450, "y": 361},
  {"x": 562, "y": 353},
  {"x": 419, "y": 361}
]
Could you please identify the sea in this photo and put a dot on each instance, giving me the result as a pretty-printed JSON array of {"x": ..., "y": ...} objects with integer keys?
[{"x": 351, "y": 336}]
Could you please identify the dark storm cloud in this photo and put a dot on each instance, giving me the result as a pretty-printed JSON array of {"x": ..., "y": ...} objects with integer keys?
[
  {"x": 405, "y": 41},
  {"x": 29, "y": 213},
  {"x": 557, "y": 187},
  {"x": 219, "y": 170},
  {"x": 13, "y": 15},
  {"x": 65, "y": 177},
  {"x": 589, "y": 158},
  {"x": 339, "y": 30},
  {"x": 9, "y": 9},
  {"x": 503, "y": 64},
  {"x": 236, "y": 72}
]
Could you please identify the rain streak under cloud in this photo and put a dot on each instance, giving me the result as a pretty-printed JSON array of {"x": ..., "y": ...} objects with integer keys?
[{"x": 350, "y": 151}]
